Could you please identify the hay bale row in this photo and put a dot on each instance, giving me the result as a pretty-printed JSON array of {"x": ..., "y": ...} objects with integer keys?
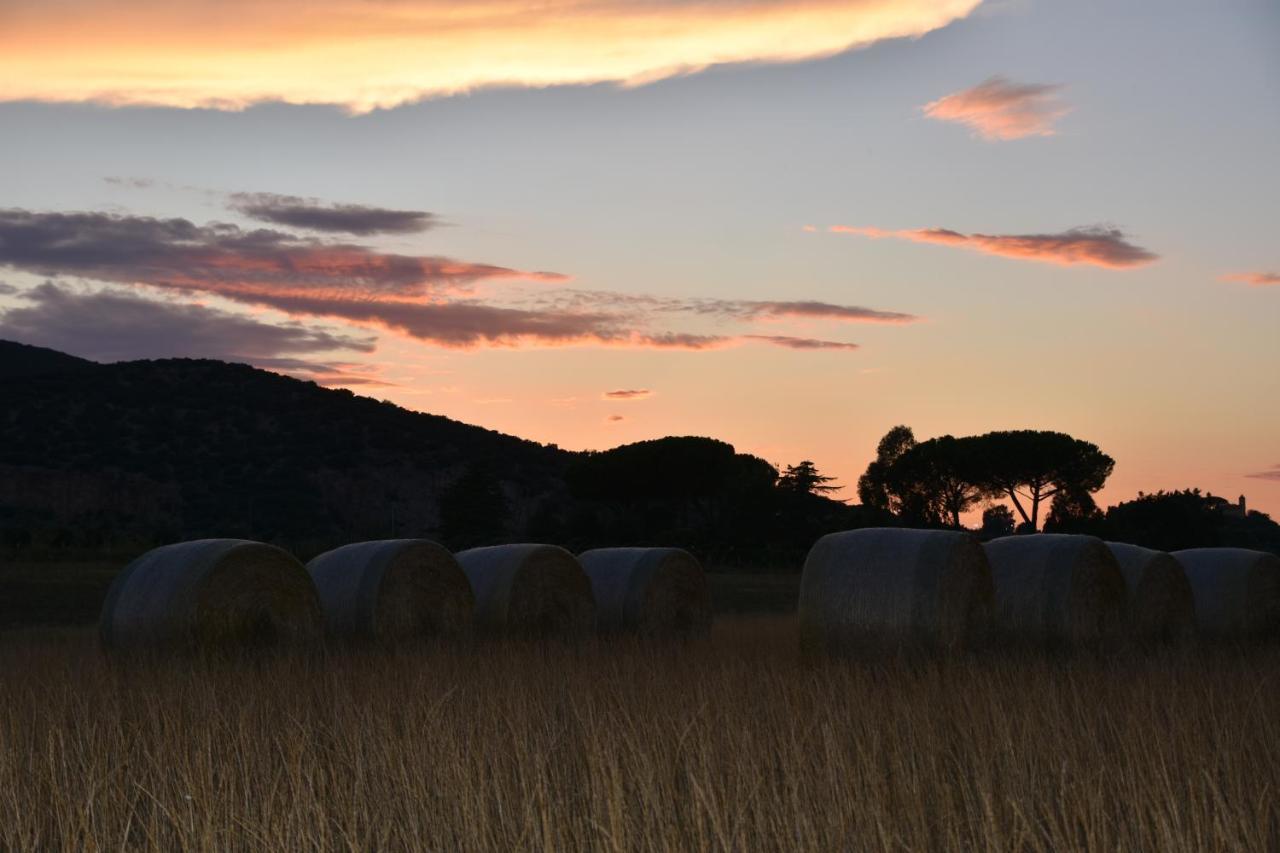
[
  {"x": 1237, "y": 592},
  {"x": 237, "y": 594},
  {"x": 878, "y": 587}
]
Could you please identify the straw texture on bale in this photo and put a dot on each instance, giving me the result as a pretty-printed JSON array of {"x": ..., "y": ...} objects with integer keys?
[
  {"x": 529, "y": 590},
  {"x": 212, "y": 594},
  {"x": 392, "y": 591},
  {"x": 1161, "y": 607},
  {"x": 1237, "y": 591},
  {"x": 648, "y": 590},
  {"x": 881, "y": 587},
  {"x": 1057, "y": 589}
]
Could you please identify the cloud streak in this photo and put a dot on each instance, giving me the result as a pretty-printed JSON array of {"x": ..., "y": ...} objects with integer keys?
[
  {"x": 1094, "y": 246},
  {"x": 802, "y": 343},
  {"x": 313, "y": 215},
  {"x": 628, "y": 394},
  {"x": 998, "y": 109},
  {"x": 1272, "y": 473},
  {"x": 232, "y": 53},
  {"x": 1254, "y": 279}
]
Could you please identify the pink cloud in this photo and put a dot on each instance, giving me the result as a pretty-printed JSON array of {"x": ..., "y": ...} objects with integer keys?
[
  {"x": 998, "y": 109},
  {"x": 1096, "y": 246},
  {"x": 1256, "y": 279}
]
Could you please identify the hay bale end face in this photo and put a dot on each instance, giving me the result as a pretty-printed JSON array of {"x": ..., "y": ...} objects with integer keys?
[
  {"x": 529, "y": 591},
  {"x": 1237, "y": 591},
  {"x": 212, "y": 594},
  {"x": 1058, "y": 589},
  {"x": 392, "y": 591},
  {"x": 880, "y": 587},
  {"x": 651, "y": 591},
  {"x": 1161, "y": 607}
]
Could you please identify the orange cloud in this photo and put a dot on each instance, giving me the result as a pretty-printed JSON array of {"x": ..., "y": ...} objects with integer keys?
[
  {"x": 1256, "y": 279},
  {"x": 613, "y": 419},
  {"x": 997, "y": 109},
  {"x": 228, "y": 54},
  {"x": 1096, "y": 246},
  {"x": 628, "y": 394}
]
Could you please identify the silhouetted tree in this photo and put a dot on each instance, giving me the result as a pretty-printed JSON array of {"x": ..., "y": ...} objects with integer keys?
[
  {"x": 873, "y": 485},
  {"x": 1035, "y": 465},
  {"x": 1075, "y": 512},
  {"x": 937, "y": 481},
  {"x": 805, "y": 479},
  {"x": 473, "y": 510},
  {"x": 997, "y": 521}
]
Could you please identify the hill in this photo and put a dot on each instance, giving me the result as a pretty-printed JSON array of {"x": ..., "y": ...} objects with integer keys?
[
  {"x": 110, "y": 459},
  {"x": 133, "y": 453},
  {"x": 18, "y": 360}
]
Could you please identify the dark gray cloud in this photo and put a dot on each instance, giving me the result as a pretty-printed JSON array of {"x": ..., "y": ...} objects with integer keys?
[
  {"x": 314, "y": 215},
  {"x": 1272, "y": 473},
  {"x": 6, "y": 289},
  {"x": 628, "y": 394},
  {"x": 106, "y": 325},
  {"x": 222, "y": 258}
]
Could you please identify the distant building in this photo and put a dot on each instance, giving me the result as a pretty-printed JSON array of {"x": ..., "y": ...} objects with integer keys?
[{"x": 1236, "y": 510}]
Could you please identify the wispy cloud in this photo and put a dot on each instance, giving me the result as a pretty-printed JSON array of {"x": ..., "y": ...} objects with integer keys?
[
  {"x": 1272, "y": 473},
  {"x": 1256, "y": 279},
  {"x": 1099, "y": 246},
  {"x": 801, "y": 343},
  {"x": 727, "y": 309},
  {"x": 628, "y": 394},
  {"x": 383, "y": 54},
  {"x": 429, "y": 298},
  {"x": 613, "y": 419},
  {"x": 111, "y": 325},
  {"x": 998, "y": 109},
  {"x": 314, "y": 215}
]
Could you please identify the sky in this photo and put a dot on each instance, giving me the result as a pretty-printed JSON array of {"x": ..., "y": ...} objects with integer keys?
[{"x": 790, "y": 226}]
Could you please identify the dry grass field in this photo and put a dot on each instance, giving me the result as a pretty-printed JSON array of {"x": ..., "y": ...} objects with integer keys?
[{"x": 729, "y": 744}]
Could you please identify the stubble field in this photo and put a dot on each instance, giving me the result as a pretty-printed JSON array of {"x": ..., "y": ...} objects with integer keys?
[{"x": 733, "y": 743}]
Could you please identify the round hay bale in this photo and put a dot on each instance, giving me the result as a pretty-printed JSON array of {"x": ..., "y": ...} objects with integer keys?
[
  {"x": 1237, "y": 591},
  {"x": 648, "y": 590},
  {"x": 1161, "y": 607},
  {"x": 1057, "y": 589},
  {"x": 529, "y": 590},
  {"x": 880, "y": 587},
  {"x": 391, "y": 591},
  {"x": 212, "y": 594}
]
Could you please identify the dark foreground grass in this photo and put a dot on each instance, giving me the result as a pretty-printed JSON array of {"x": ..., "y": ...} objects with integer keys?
[{"x": 733, "y": 744}]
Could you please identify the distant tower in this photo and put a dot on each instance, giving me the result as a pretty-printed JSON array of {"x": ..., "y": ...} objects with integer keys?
[
  {"x": 1237, "y": 510},
  {"x": 1243, "y": 511}
]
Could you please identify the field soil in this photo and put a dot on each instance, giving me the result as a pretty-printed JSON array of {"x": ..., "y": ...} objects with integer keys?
[{"x": 731, "y": 743}]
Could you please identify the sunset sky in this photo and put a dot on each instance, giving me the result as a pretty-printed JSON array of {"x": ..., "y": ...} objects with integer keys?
[{"x": 788, "y": 225}]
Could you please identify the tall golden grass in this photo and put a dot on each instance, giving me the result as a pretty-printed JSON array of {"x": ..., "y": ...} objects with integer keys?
[{"x": 729, "y": 744}]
